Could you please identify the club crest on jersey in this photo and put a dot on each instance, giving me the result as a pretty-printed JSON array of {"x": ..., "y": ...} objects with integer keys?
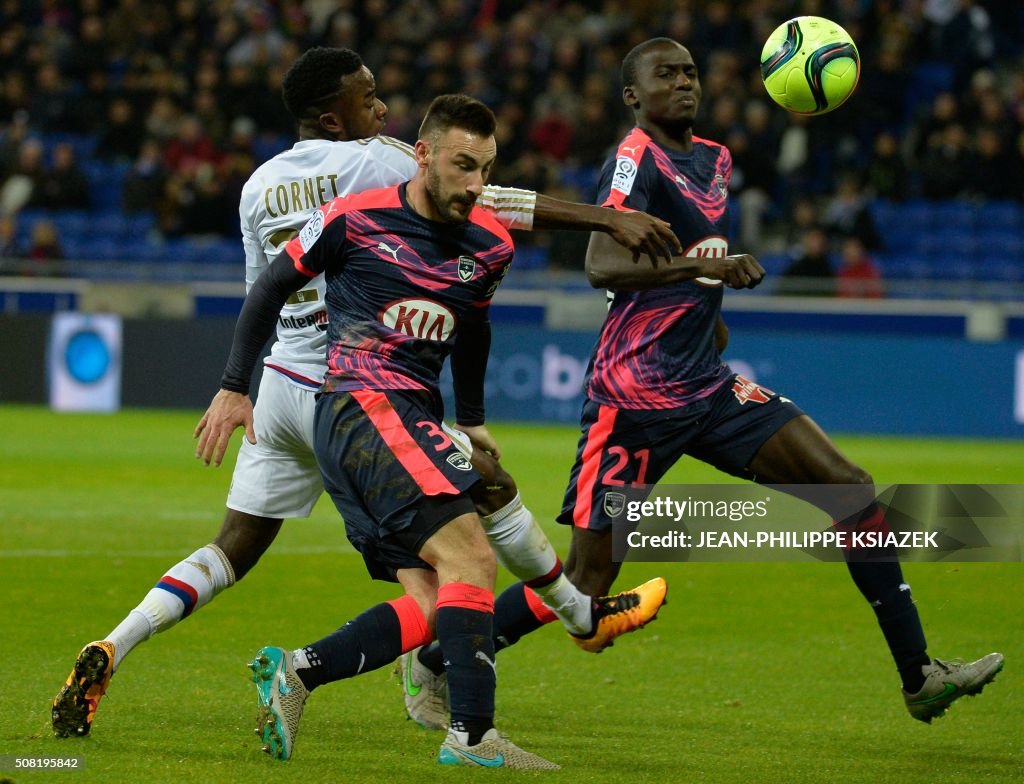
[
  {"x": 614, "y": 503},
  {"x": 722, "y": 187},
  {"x": 419, "y": 318},
  {"x": 467, "y": 266},
  {"x": 747, "y": 390},
  {"x": 311, "y": 231},
  {"x": 459, "y": 461},
  {"x": 625, "y": 173}
]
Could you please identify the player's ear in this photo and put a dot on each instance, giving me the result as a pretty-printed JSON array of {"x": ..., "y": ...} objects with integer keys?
[
  {"x": 629, "y": 97},
  {"x": 332, "y": 123},
  {"x": 422, "y": 150}
]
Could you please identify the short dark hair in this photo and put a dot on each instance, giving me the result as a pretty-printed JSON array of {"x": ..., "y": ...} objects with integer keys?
[
  {"x": 315, "y": 76},
  {"x": 629, "y": 62},
  {"x": 458, "y": 111}
]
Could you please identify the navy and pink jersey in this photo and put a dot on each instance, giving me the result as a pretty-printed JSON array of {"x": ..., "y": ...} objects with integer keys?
[
  {"x": 657, "y": 347},
  {"x": 398, "y": 285}
]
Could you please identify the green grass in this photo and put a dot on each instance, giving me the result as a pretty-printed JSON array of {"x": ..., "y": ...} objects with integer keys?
[{"x": 754, "y": 673}]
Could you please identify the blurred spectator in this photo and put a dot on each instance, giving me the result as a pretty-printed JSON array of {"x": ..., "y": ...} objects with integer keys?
[
  {"x": 858, "y": 274},
  {"x": 847, "y": 214},
  {"x": 810, "y": 273},
  {"x": 21, "y": 187},
  {"x": 992, "y": 168},
  {"x": 530, "y": 171},
  {"x": 10, "y": 246},
  {"x": 551, "y": 133},
  {"x": 122, "y": 135},
  {"x": 887, "y": 176},
  {"x": 64, "y": 185},
  {"x": 190, "y": 147},
  {"x": 803, "y": 216},
  {"x": 200, "y": 203},
  {"x": 930, "y": 125},
  {"x": 944, "y": 76},
  {"x": 45, "y": 250},
  {"x": 53, "y": 104},
  {"x": 144, "y": 185},
  {"x": 260, "y": 44},
  {"x": 946, "y": 164}
]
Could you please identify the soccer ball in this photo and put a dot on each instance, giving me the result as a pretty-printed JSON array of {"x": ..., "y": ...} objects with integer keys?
[{"x": 810, "y": 65}]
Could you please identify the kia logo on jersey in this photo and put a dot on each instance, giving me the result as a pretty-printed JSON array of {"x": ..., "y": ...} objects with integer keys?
[
  {"x": 709, "y": 248},
  {"x": 419, "y": 318}
]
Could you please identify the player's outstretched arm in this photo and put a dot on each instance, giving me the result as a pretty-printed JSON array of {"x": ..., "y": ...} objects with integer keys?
[
  {"x": 637, "y": 232},
  {"x": 231, "y": 407},
  {"x": 609, "y": 266}
]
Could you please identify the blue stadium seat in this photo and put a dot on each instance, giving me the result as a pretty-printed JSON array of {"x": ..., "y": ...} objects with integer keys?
[
  {"x": 140, "y": 224},
  {"x": 71, "y": 223},
  {"x": 917, "y": 215},
  {"x": 775, "y": 263},
  {"x": 528, "y": 258},
  {"x": 885, "y": 214},
  {"x": 1002, "y": 215},
  {"x": 1007, "y": 245},
  {"x": 951, "y": 267},
  {"x": 955, "y": 215},
  {"x": 926, "y": 81},
  {"x": 994, "y": 268},
  {"x": 899, "y": 266},
  {"x": 113, "y": 225}
]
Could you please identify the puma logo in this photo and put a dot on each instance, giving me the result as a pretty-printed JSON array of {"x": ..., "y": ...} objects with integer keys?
[{"x": 392, "y": 251}]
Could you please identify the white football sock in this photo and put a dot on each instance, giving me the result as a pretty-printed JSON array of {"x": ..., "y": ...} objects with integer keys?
[
  {"x": 187, "y": 586},
  {"x": 523, "y": 548}
]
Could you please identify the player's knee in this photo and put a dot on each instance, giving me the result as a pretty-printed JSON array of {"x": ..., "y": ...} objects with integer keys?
[
  {"x": 846, "y": 473},
  {"x": 496, "y": 490}
]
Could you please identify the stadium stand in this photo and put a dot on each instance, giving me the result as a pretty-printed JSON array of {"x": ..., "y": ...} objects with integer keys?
[{"x": 935, "y": 75}]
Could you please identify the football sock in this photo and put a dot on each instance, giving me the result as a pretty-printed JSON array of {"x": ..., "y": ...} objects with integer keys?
[
  {"x": 464, "y": 630},
  {"x": 881, "y": 583},
  {"x": 187, "y": 586},
  {"x": 371, "y": 640},
  {"x": 889, "y": 596},
  {"x": 523, "y": 548},
  {"x": 517, "y": 612}
]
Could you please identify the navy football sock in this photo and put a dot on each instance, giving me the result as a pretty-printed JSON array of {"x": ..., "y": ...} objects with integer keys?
[
  {"x": 464, "y": 624},
  {"x": 514, "y": 617},
  {"x": 371, "y": 640},
  {"x": 882, "y": 585}
]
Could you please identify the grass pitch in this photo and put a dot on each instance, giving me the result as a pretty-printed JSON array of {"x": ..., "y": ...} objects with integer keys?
[{"x": 753, "y": 673}]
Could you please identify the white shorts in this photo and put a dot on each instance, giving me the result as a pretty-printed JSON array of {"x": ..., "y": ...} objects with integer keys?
[{"x": 278, "y": 476}]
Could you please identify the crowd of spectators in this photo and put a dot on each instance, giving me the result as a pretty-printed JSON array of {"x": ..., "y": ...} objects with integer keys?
[{"x": 185, "y": 97}]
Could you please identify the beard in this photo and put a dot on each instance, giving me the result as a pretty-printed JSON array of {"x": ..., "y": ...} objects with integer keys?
[{"x": 446, "y": 203}]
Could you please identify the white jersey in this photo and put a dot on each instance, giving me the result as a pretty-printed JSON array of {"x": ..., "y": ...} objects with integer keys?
[{"x": 283, "y": 193}]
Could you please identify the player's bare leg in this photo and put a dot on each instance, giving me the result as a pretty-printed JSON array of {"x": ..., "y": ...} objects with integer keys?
[
  {"x": 801, "y": 453},
  {"x": 187, "y": 586},
  {"x": 589, "y": 563}
]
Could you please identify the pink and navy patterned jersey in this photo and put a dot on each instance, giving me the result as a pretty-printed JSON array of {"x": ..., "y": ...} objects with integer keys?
[
  {"x": 398, "y": 285},
  {"x": 657, "y": 347}
]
